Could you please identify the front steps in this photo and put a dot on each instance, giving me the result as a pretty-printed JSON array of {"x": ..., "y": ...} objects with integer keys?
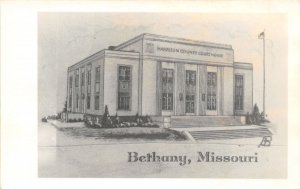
[
  {"x": 205, "y": 121},
  {"x": 234, "y": 132}
]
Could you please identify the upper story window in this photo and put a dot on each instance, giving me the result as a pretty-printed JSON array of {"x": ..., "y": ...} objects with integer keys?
[
  {"x": 124, "y": 73},
  {"x": 190, "y": 77}
]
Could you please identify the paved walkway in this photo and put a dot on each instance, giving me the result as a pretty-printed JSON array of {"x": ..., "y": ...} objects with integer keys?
[
  {"x": 215, "y": 128},
  {"x": 60, "y": 124}
]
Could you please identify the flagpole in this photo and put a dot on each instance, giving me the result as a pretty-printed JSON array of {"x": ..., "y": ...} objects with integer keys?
[
  {"x": 262, "y": 36},
  {"x": 264, "y": 90}
]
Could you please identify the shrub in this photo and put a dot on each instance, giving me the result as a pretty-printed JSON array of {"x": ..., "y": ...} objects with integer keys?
[
  {"x": 44, "y": 119},
  {"x": 248, "y": 119},
  {"x": 256, "y": 117},
  {"x": 106, "y": 120}
]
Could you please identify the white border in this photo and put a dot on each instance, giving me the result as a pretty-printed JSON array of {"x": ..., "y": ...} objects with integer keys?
[{"x": 19, "y": 91}]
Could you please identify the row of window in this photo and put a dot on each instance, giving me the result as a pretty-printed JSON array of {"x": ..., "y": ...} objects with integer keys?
[
  {"x": 125, "y": 88},
  {"x": 190, "y": 88},
  {"x": 82, "y": 84}
]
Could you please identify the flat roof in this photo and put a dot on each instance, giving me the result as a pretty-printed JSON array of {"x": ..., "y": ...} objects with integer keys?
[
  {"x": 173, "y": 39},
  {"x": 242, "y": 65},
  {"x": 103, "y": 53}
]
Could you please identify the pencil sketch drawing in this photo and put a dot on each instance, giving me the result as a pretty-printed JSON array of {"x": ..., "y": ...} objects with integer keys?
[{"x": 158, "y": 98}]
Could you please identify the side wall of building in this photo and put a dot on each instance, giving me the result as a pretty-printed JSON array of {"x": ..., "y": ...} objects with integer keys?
[
  {"x": 82, "y": 90},
  {"x": 111, "y": 85},
  {"x": 248, "y": 90}
]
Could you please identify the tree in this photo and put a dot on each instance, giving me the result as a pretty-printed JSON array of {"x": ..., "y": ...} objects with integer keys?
[
  {"x": 256, "y": 114},
  {"x": 106, "y": 121},
  {"x": 65, "y": 107}
]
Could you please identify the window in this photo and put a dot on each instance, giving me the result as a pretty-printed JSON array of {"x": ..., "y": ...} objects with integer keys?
[
  {"x": 124, "y": 73},
  {"x": 82, "y": 83},
  {"x": 123, "y": 101},
  {"x": 167, "y": 89},
  {"x": 190, "y": 91},
  {"x": 190, "y": 78},
  {"x": 70, "y": 91},
  {"x": 97, "y": 87},
  {"x": 77, "y": 88},
  {"x": 97, "y": 80},
  {"x": 124, "y": 88},
  {"x": 88, "y": 99},
  {"x": 211, "y": 90},
  {"x": 77, "y": 100},
  {"x": 82, "y": 78},
  {"x": 89, "y": 77},
  {"x": 239, "y": 92},
  {"x": 77, "y": 79},
  {"x": 96, "y": 102}
]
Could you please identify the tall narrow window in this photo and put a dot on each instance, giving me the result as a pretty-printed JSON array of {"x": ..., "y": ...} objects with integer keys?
[
  {"x": 211, "y": 90},
  {"x": 82, "y": 78},
  {"x": 124, "y": 88},
  {"x": 82, "y": 83},
  {"x": 77, "y": 88},
  {"x": 97, "y": 80},
  {"x": 70, "y": 91},
  {"x": 77, "y": 100},
  {"x": 97, "y": 87},
  {"x": 97, "y": 102},
  {"x": 190, "y": 91},
  {"x": 167, "y": 89},
  {"x": 88, "y": 98},
  {"x": 239, "y": 92},
  {"x": 77, "y": 78},
  {"x": 88, "y": 101}
]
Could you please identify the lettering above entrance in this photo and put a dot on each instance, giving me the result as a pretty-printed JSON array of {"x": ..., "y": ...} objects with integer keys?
[{"x": 189, "y": 52}]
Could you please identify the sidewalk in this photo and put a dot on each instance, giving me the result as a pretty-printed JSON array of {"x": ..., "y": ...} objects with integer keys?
[
  {"x": 59, "y": 124},
  {"x": 214, "y": 128}
]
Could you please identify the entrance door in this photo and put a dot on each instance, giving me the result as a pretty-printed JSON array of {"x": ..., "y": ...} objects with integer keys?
[{"x": 211, "y": 108}]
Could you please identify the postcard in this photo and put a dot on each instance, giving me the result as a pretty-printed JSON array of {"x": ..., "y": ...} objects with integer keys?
[
  {"x": 193, "y": 95},
  {"x": 149, "y": 94}
]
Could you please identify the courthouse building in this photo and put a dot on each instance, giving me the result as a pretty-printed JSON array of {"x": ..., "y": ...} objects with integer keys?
[{"x": 161, "y": 76}]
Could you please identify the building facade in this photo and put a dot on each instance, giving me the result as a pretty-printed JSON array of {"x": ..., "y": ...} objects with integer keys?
[{"x": 161, "y": 76}]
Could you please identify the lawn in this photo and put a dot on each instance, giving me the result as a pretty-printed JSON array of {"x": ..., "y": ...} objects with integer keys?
[{"x": 139, "y": 133}]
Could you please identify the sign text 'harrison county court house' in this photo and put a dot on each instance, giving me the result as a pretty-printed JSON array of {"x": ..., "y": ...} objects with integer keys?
[{"x": 161, "y": 76}]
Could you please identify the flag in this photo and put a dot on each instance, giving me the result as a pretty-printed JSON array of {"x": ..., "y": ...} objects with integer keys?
[{"x": 261, "y": 35}]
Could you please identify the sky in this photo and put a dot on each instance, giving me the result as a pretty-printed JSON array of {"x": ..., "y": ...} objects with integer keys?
[{"x": 66, "y": 38}]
